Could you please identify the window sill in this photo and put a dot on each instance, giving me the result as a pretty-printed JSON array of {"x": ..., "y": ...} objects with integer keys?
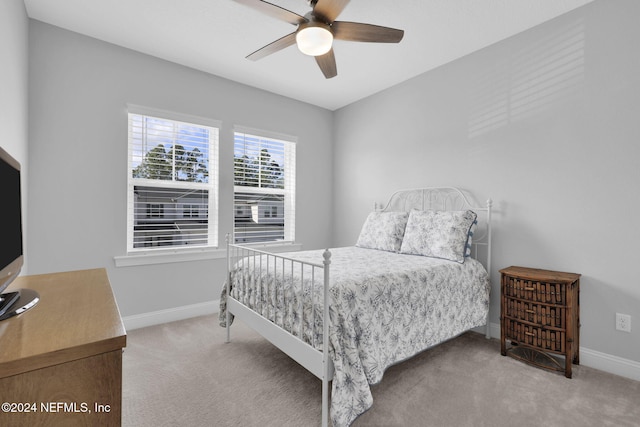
[{"x": 164, "y": 257}]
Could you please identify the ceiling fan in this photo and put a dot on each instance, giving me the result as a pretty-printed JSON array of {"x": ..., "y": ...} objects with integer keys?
[{"x": 317, "y": 30}]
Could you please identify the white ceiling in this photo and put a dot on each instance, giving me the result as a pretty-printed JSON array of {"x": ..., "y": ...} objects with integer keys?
[{"x": 215, "y": 36}]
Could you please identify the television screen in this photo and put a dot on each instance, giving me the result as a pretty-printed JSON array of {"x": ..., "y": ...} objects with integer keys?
[{"x": 11, "y": 251}]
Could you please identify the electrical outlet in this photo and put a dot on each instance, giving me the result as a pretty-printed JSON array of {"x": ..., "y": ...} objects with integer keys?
[{"x": 623, "y": 322}]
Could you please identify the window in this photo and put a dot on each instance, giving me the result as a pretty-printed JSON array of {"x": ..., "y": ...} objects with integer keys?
[
  {"x": 173, "y": 181},
  {"x": 191, "y": 211},
  {"x": 264, "y": 187},
  {"x": 155, "y": 210}
]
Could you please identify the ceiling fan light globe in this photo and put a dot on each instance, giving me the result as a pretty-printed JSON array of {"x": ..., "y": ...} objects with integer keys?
[{"x": 314, "y": 40}]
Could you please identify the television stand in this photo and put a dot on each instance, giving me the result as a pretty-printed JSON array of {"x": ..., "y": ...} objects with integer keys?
[
  {"x": 61, "y": 361},
  {"x": 16, "y": 302}
]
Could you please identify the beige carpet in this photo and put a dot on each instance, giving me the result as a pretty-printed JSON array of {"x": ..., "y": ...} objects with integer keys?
[{"x": 183, "y": 374}]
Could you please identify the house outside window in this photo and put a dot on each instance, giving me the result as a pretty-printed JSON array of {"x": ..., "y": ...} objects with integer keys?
[
  {"x": 173, "y": 181},
  {"x": 264, "y": 187},
  {"x": 191, "y": 211},
  {"x": 155, "y": 210}
]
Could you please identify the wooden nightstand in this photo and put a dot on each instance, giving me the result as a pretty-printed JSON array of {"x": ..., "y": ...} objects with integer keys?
[{"x": 540, "y": 316}]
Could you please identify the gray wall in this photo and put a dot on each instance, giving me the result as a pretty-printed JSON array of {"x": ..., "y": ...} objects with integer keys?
[
  {"x": 547, "y": 123},
  {"x": 79, "y": 89},
  {"x": 14, "y": 57}
]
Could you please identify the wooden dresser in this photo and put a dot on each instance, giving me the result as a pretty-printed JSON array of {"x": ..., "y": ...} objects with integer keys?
[
  {"x": 61, "y": 361},
  {"x": 540, "y": 316}
]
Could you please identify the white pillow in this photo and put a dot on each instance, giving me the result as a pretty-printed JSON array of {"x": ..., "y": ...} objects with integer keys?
[
  {"x": 383, "y": 231},
  {"x": 438, "y": 234}
]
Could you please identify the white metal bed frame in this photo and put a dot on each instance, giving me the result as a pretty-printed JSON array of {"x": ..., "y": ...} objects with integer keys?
[{"x": 318, "y": 362}]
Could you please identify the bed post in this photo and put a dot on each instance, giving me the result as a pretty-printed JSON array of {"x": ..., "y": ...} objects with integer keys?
[
  {"x": 489, "y": 205},
  {"x": 228, "y": 320},
  {"x": 325, "y": 341}
]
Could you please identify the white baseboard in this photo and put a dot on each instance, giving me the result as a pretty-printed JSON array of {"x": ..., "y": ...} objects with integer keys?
[
  {"x": 494, "y": 330},
  {"x": 609, "y": 363},
  {"x": 591, "y": 358},
  {"x": 170, "y": 315}
]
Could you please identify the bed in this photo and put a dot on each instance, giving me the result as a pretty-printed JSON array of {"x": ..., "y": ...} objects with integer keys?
[{"x": 418, "y": 275}]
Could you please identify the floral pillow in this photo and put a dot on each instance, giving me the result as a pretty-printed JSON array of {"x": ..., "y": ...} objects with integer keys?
[
  {"x": 383, "y": 231},
  {"x": 438, "y": 234}
]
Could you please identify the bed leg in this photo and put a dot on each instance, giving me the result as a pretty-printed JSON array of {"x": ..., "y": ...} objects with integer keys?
[
  {"x": 228, "y": 316},
  {"x": 489, "y": 206},
  {"x": 325, "y": 402},
  {"x": 325, "y": 341}
]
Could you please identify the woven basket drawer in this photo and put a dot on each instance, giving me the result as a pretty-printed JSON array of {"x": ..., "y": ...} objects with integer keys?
[
  {"x": 547, "y": 292},
  {"x": 540, "y": 314},
  {"x": 546, "y": 339}
]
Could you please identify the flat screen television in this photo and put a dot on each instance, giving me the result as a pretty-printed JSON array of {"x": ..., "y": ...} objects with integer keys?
[{"x": 11, "y": 244}]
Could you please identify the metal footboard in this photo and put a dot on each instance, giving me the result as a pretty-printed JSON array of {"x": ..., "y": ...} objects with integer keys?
[{"x": 269, "y": 293}]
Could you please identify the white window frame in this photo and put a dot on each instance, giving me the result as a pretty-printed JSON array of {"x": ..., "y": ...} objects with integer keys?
[
  {"x": 140, "y": 256},
  {"x": 289, "y": 143}
]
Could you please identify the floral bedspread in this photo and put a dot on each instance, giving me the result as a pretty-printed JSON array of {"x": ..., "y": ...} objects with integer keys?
[{"x": 384, "y": 308}]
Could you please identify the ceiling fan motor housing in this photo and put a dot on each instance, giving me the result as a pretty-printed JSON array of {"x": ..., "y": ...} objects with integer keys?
[{"x": 314, "y": 38}]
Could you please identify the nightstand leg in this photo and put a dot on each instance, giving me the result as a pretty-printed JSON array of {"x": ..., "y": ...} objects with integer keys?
[
  {"x": 576, "y": 358},
  {"x": 503, "y": 345}
]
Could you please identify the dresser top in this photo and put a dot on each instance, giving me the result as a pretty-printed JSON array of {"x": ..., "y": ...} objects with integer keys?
[
  {"x": 76, "y": 317},
  {"x": 540, "y": 275}
]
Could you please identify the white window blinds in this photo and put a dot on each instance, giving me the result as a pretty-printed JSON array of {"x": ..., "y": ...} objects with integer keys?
[
  {"x": 264, "y": 187},
  {"x": 173, "y": 182}
]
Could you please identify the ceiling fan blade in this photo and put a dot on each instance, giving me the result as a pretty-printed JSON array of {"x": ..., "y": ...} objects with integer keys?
[
  {"x": 273, "y": 47},
  {"x": 327, "y": 64},
  {"x": 358, "y": 32},
  {"x": 328, "y": 10},
  {"x": 274, "y": 11}
]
